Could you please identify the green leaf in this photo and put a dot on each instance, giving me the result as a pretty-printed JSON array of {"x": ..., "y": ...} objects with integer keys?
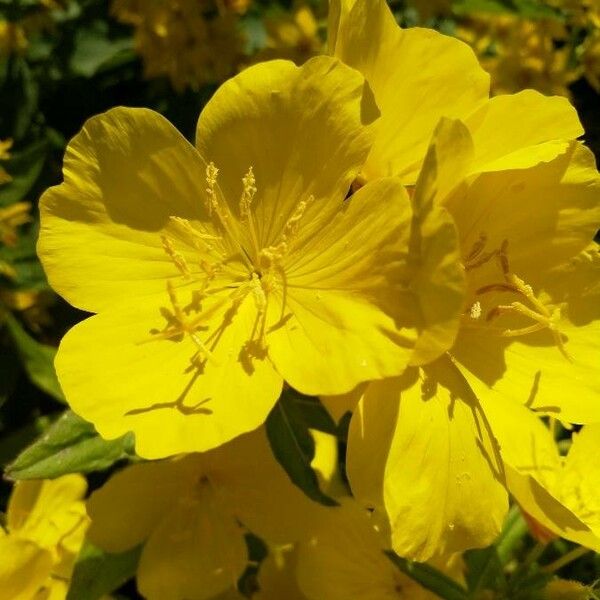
[
  {"x": 484, "y": 570},
  {"x": 24, "y": 167},
  {"x": 430, "y": 578},
  {"x": 70, "y": 445},
  {"x": 94, "y": 50},
  {"x": 98, "y": 573},
  {"x": 292, "y": 444},
  {"x": 36, "y": 358}
]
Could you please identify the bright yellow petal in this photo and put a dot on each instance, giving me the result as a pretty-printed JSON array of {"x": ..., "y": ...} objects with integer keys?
[
  {"x": 254, "y": 487},
  {"x": 581, "y": 478},
  {"x": 127, "y": 508},
  {"x": 118, "y": 374},
  {"x": 510, "y": 131},
  {"x": 45, "y": 511},
  {"x": 341, "y": 320},
  {"x": 339, "y": 405},
  {"x": 498, "y": 208},
  {"x": 305, "y": 131},
  {"x": 417, "y": 76},
  {"x": 437, "y": 277},
  {"x": 125, "y": 174},
  {"x": 196, "y": 551},
  {"x": 441, "y": 487},
  {"x": 23, "y": 569}
]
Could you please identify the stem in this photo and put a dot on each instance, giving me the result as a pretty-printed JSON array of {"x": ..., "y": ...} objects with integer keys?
[
  {"x": 515, "y": 529},
  {"x": 429, "y": 578},
  {"x": 566, "y": 559}
]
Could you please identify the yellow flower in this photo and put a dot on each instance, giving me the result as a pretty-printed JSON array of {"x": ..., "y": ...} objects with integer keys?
[
  {"x": 561, "y": 589},
  {"x": 193, "y": 42},
  {"x": 12, "y": 38},
  {"x": 434, "y": 76},
  {"x": 528, "y": 331},
  {"x": 496, "y": 309},
  {"x": 45, "y": 525},
  {"x": 5, "y": 146},
  {"x": 294, "y": 36},
  {"x": 195, "y": 510},
  {"x": 523, "y": 53},
  {"x": 345, "y": 559},
  {"x": 590, "y": 58},
  {"x": 277, "y": 576},
  {"x": 213, "y": 286}
]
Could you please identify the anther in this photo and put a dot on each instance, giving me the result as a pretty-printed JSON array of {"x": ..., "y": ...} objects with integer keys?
[
  {"x": 248, "y": 193},
  {"x": 177, "y": 258}
]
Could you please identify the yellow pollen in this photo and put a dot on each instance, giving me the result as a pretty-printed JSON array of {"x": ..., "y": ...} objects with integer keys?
[
  {"x": 475, "y": 312},
  {"x": 177, "y": 258}
]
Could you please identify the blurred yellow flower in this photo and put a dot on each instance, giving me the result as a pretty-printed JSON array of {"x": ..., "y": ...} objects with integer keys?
[
  {"x": 522, "y": 53},
  {"x": 590, "y": 58},
  {"x": 195, "y": 510},
  {"x": 292, "y": 35},
  {"x": 215, "y": 285},
  {"x": 5, "y": 146},
  {"x": 12, "y": 38},
  {"x": 45, "y": 526},
  {"x": 192, "y": 42}
]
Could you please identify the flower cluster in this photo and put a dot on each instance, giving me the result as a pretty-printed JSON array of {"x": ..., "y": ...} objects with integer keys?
[{"x": 371, "y": 229}]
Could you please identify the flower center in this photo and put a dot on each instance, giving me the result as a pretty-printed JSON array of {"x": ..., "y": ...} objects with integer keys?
[
  {"x": 527, "y": 305},
  {"x": 230, "y": 241}
]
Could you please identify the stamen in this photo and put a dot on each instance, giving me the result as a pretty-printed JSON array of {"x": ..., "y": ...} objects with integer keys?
[
  {"x": 535, "y": 309},
  {"x": 199, "y": 240},
  {"x": 248, "y": 194},
  {"x": 177, "y": 258},
  {"x": 475, "y": 312}
]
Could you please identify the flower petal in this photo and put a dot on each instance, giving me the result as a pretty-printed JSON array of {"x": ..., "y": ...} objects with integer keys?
[
  {"x": 523, "y": 122},
  {"x": 254, "y": 487},
  {"x": 305, "y": 131},
  {"x": 119, "y": 374},
  {"x": 196, "y": 551},
  {"x": 24, "y": 568},
  {"x": 534, "y": 471},
  {"x": 127, "y": 508},
  {"x": 342, "y": 320},
  {"x": 563, "y": 195},
  {"x": 437, "y": 276},
  {"x": 530, "y": 369},
  {"x": 417, "y": 76},
  {"x": 125, "y": 174},
  {"x": 442, "y": 487}
]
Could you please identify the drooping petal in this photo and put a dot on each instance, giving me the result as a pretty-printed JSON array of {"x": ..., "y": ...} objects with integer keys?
[
  {"x": 305, "y": 131},
  {"x": 340, "y": 321},
  {"x": 196, "y": 551},
  {"x": 417, "y": 76},
  {"x": 122, "y": 376},
  {"x": 128, "y": 507},
  {"x": 511, "y": 131},
  {"x": 442, "y": 483},
  {"x": 125, "y": 174},
  {"x": 535, "y": 475}
]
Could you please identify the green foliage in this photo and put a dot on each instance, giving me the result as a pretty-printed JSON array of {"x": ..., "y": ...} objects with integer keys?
[
  {"x": 288, "y": 429},
  {"x": 70, "y": 445},
  {"x": 98, "y": 573}
]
